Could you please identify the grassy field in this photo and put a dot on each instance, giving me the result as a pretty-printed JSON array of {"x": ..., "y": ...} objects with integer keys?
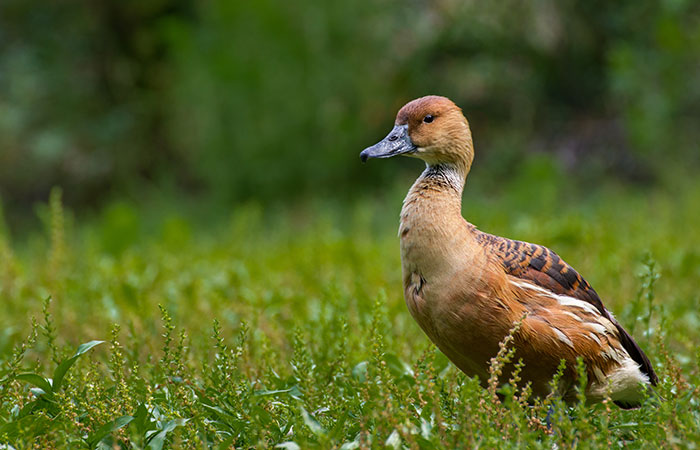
[{"x": 286, "y": 328}]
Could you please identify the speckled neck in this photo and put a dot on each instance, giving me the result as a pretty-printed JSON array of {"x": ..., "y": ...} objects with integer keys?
[
  {"x": 444, "y": 175},
  {"x": 434, "y": 202}
]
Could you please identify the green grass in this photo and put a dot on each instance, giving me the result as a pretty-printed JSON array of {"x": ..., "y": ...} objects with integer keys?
[{"x": 288, "y": 329}]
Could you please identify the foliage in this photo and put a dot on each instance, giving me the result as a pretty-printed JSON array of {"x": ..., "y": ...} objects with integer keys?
[
  {"x": 266, "y": 99},
  {"x": 287, "y": 329}
]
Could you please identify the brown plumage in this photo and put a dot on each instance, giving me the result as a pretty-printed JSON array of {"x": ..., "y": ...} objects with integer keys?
[{"x": 467, "y": 289}]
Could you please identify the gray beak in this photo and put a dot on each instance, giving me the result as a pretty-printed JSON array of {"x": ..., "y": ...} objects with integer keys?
[{"x": 396, "y": 143}]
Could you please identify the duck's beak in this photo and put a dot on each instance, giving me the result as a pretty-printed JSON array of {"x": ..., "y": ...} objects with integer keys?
[{"x": 396, "y": 143}]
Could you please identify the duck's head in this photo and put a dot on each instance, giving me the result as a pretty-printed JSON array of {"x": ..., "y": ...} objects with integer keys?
[{"x": 430, "y": 128}]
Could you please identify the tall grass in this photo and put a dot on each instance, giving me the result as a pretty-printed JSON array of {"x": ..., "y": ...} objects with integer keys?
[{"x": 288, "y": 330}]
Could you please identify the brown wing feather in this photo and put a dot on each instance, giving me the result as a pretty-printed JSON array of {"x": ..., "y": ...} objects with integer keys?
[{"x": 540, "y": 265}]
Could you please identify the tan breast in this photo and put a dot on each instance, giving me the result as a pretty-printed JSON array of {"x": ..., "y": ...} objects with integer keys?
[{"x": 446, "y": 281}]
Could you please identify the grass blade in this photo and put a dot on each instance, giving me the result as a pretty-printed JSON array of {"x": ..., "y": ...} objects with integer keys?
[
  {"x": 106, "y": 429},
  {"x": 62, "y": 368},
  {"x": 37, "y": 380}
]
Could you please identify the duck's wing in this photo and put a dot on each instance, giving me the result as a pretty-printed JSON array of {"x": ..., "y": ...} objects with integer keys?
[{"x": 541, "y": 266}]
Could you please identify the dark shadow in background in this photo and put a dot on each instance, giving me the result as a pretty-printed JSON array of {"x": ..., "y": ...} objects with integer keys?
[{"x": 271, "y": 100}]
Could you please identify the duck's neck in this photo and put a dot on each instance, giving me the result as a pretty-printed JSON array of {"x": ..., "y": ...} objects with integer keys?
[
  {"x": 447, "y": 176},
  {"x": 433, "y": 206},
  {"x": 439, "y": 188},
  {"x": 431, "y": 221}
]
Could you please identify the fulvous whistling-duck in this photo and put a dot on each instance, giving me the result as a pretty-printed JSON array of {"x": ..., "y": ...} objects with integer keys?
[{"x": 467, "y": 289}]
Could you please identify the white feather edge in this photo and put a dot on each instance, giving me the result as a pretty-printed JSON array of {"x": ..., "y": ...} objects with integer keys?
[{"x": 624, "y": 383}]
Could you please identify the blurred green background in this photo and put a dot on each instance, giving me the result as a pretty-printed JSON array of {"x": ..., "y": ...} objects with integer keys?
[
  {"x": 224, "y": 101},
  {"x": 168, "y": 163}
]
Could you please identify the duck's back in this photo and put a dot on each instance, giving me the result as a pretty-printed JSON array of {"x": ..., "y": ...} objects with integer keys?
[{"x": 543, "y": 267}]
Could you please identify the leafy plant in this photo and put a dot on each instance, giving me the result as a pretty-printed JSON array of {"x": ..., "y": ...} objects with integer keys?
[{"x": 311, "y": 344}]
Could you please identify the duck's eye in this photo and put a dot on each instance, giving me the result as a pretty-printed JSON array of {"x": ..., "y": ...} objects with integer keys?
[{"x": 429, "y": 118}]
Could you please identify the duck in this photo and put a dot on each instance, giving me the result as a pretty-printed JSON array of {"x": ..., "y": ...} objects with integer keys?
[{"x": 468, "y": 290}]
